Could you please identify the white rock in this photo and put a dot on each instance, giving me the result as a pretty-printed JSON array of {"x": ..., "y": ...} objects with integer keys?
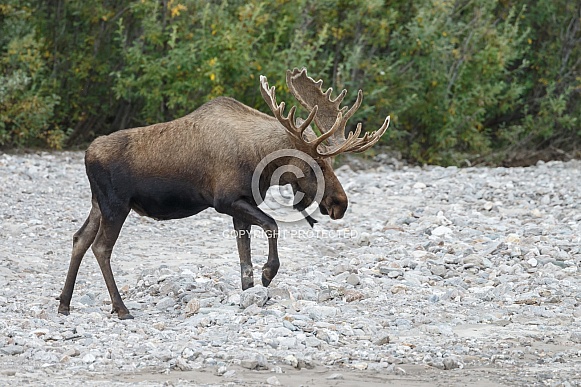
[
  {"x": 292, "y": 361},
  {"x": 257, "y": 295},
  {"x": 89, "y": 358},
  {"x": 165, "y": 303},
  {"x": 278, "y": 332},
  {"x": 192, "y": 307},
  {"x": 513, "y": 238},
  {"x": 322, "y": 312},
  {"x": 533, "y": 262},
  {"x": 288, "y": 342},
  {"x": 442, "y": 231},
  {"x": 353, "y": 279}
]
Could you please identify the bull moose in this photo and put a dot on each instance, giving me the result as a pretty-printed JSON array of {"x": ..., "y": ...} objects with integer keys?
[{"x": 207, "y": 159}]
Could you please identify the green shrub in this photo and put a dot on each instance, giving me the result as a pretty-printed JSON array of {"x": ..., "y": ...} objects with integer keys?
[
  {"x": 550, "y": 112},
  {"x": 26, "y": 103},
  {"x": 462, "y": 80}
]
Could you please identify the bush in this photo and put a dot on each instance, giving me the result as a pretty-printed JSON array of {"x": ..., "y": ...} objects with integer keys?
[
  {"x": 463, "y": 80},
  {"x": 457, "y": 75},
  {"x": 26, "y": 103},
  {"x": 550, "y": 110}
]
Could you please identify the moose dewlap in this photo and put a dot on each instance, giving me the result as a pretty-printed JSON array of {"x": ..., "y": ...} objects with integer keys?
[{"x": 207, "y": 159}]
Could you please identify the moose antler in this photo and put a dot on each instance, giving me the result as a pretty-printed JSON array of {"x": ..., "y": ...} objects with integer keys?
[
  {"x": 309, "y": 94},
  {"x": 330, "y": 119},
  {"x": 269, "y": 95},
  {"x": 289, "y": 122}
]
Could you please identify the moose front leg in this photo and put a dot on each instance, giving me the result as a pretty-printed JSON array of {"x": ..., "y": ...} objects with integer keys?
[
  {"x": 245, "y": 213},
  {"x": 243, "y": 241},
  {"x": 271, "y": 266}
]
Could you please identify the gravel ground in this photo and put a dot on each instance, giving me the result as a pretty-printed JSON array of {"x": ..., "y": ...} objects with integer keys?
[{"x": 436, "y": 276}]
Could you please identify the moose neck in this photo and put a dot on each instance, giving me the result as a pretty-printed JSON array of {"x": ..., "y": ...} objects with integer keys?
[{"x": 277, "y": 148}]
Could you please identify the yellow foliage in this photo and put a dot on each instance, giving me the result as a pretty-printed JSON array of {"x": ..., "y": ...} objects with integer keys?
[
  {"x": 174, "y": 8},
  {"x": 337, "y": 32},
  {"x": 55, "y": 138},
  {"x": 5, "y": 9},
  {"x": 175, "y": 11}
]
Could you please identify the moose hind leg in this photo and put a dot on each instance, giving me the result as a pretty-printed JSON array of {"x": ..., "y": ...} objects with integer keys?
[
  {"x": 102, "y": 248},
  {"x": 243, "y": 241},
  {"x": 82, "y": 240}
]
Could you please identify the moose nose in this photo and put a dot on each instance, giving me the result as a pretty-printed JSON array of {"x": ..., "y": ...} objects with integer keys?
[
  {"x": 337, "y": 212},
  {"x": 334, "y": 210}
]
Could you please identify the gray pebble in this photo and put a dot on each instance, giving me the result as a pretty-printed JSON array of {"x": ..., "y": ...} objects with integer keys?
[
  {"x": 257, "y": 295},
  {"x": 165, "y": 303},
  {"x": 12, "y": 350}
]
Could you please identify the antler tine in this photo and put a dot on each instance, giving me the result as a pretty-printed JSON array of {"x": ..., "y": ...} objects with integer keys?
[
  {"x": 269, "y": 95},
  {"x": 354, "y": 143},
  {"x": 370, "y": 139},
  {"x": 308, "y": 121},
  {"x": 355, "y": 106},
  {"x": 309, "y": 93},
  {"x": 352, "y": 139},
  {"x": 331, "y": 131},
  {"x": 339, "y": 98},
  {"x": 299, "y": 79}
]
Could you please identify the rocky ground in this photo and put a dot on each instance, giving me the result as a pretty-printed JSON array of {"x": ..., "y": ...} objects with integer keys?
[{"x": 435, "y": 276}]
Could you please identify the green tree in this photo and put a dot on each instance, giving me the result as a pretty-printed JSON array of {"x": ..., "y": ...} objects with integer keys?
[
  {"x": 462, "y": 80},
  {"x": 26, "y": 101}
]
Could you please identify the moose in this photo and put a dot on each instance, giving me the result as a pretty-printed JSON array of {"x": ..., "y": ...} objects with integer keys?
[{"x": 176, "y": 169}]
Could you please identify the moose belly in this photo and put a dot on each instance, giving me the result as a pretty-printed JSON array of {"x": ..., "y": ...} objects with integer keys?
[{"x": 165, "y": 199}]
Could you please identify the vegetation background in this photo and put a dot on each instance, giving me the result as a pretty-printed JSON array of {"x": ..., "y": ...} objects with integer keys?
[{"x": 464, "y": 80}]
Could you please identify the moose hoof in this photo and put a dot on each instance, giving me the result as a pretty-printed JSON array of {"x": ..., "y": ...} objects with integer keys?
[
  {"x": 268, "y": 274},
  {"x": 265, "y": 280},
  {"x": 247, "y": 283},
  {"x": 125, "y": 316},
  {"x": 64, "y": 310}
]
